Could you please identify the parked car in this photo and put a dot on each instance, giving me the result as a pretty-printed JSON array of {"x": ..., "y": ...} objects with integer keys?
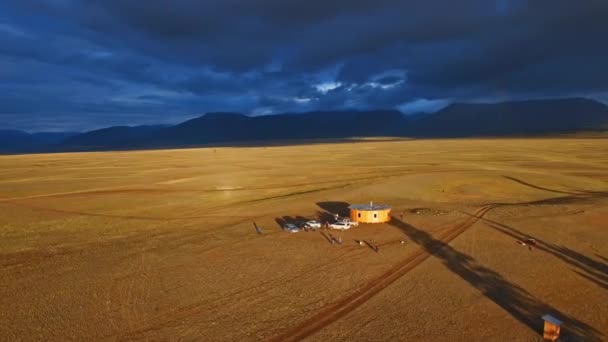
[
  {"x": 347, "y": 220},
  {"x": 290, "y": 227},
  {"x": 313, "y": 224},
  {"x": 340, "y": 225}
]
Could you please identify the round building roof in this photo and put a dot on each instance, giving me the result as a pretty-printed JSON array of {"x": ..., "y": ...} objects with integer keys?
[{"x": 368, "y": 207}]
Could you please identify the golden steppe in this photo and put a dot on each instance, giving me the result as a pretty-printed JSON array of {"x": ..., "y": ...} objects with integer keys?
[{"x": 160, "y": 245}]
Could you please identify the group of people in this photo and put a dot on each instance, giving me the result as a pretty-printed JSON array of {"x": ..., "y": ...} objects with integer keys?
[{"x": 373, "y": 244}]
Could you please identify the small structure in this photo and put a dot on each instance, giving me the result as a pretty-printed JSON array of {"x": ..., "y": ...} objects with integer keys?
[
  {"x": 370, "y": 213},
  {"x": 552, "y": 328}
]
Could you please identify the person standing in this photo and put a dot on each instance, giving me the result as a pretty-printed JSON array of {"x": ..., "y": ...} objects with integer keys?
[{"x": 257, "y": 228}]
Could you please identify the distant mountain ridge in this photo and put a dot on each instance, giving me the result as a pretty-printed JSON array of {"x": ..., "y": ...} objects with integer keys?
[
  {"x": 515, "y": 118},
  {"x": 226, "y": 127},
  {"x": 531, "y": 117},
  {"x": 13, "y": 141},
  {"x": 110, "y": 137}
]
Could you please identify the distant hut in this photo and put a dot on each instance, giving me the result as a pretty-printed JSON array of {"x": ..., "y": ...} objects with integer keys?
[
  {"x": 552, "y": 328},
  {"x": 370, "y": 213}
]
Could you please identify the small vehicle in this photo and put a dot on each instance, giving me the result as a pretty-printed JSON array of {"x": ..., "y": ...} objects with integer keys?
[
  {"x": 312, "y": 224},
  {"x": 340, "y": 225},
  {"x": 290, "y": 227},
  {"x": 348, "y": 221}
]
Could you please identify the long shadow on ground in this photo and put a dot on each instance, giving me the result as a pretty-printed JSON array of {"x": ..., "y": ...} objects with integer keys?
[
  {"x": 330, "y": 210},
  {"x": 588, "y": 268},
  {"x": 515, "y": 300},
  {"x": 340, "y": 208}
]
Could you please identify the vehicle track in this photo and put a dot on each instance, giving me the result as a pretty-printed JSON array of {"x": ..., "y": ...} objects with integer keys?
[
  {"x": 161, "y": 190},
  {"x": 163, "y": 320},
  {"x": 337, "y": 310}
]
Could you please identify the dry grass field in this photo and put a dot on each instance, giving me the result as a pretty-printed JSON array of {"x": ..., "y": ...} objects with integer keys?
[{"x": 160, "y": 245}]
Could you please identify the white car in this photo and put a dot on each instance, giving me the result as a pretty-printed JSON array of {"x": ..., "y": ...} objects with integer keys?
[
  {"x": 348, "y": 221},
  {"x": 340, "y": 225},
  {"x": 291, "y": 228},
  {"x": 313, "y": 224}
]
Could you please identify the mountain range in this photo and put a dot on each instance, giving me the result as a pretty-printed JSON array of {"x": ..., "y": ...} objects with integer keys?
[
  {"x": 533, "y": 117},
  {"x": 12, "y": 141}
]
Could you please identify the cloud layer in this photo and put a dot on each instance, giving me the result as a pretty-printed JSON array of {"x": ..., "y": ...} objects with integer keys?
[{"x": 67, "y": 64}]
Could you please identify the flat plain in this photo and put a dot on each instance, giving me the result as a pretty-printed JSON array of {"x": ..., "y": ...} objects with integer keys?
[{"x": 161, "y": 245}]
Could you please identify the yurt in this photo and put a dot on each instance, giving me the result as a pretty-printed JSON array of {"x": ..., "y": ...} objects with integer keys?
[{"x": 370, "y": 213}]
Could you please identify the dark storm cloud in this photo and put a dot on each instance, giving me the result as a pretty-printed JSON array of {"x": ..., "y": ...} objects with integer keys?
[{"x": 102, "y": 62}]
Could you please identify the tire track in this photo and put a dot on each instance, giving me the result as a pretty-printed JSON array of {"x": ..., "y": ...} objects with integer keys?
[
  {"x": 122, "y": 190},
  {"x": 17, "y": 201},
  {"x": 337, "y": 310},
  {"x": 169, "y": 318},
  {"x": 119, "y": 191},
  {"x": 116, "y": 216},
  {"x": 149, "y": 218}
]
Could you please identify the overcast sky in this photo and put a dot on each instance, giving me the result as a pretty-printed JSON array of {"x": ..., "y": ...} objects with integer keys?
[{"x": 77, "y": 65}]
